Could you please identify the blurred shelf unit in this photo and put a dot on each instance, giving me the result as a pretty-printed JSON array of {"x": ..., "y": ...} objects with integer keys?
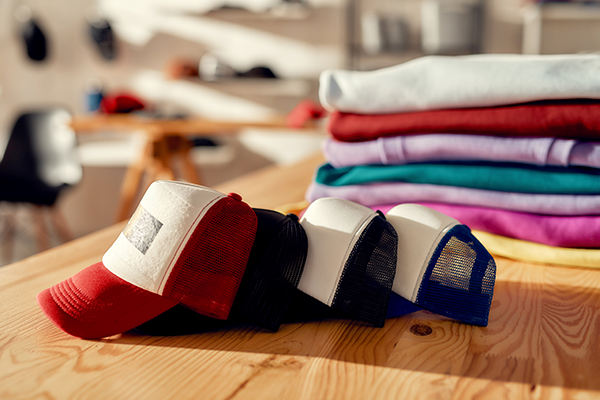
[
  {"x": 313, "y": 25},
  {"x": 281, "y": 95},
  {"x": 296, "y": 42},
  {"x": 288, "y": 13},
  {"x": 556, "y": 28},
  {"x": 383, "y": 33},
  {"x": 369, "y": 62}
]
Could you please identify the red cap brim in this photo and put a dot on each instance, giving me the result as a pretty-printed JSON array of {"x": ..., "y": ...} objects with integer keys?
[{"x": 95, "y": 303}]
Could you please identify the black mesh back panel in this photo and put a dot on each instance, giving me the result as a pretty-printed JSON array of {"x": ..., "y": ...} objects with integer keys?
[
  {"x": 460, "y": 277},
  {"x": 273, "y": 272},
  {"x": 209, "y": 270},
  {"x": 364, "y": 288},
  {"x": 270, "y": 280},
  {"x": 303, "y": 308}
]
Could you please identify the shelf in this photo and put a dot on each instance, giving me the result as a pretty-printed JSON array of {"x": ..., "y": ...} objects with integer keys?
[
  {"x": 289, "y": 13},
  {"x": 368, "y": 62},
  {"x": 548, "y": 23},
  {"x": 281, "y": 95},
  {"x": 569, "y": 11}
]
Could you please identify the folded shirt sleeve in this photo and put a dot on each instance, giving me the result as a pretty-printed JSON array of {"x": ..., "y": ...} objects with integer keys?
[
  {"x": 482, "y": 80},
  {"x": 576, "y": 119},
  {"x": 576, "y": 231},
  {"x": 400, "y": 150},
  {"x": 522, "y": 250},
  {"x": 485, "y": 175},
  {"x": 401, "y": 192}
]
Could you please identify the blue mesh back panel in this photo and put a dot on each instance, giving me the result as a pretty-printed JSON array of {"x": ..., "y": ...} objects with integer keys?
[{"x": 460, "y": 277}]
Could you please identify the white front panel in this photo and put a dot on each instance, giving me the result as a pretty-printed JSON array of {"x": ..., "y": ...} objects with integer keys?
[
  {"x": 146, "y": 250},
  {"x": 332, "y": 227},
  {"x": 419, "y": 230}
]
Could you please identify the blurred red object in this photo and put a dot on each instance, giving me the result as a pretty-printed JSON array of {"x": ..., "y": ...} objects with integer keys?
[
  {"x": 121, "y": 103},
  {"x": 181, "y": 68},
  {"x": 306, "y": 110}
]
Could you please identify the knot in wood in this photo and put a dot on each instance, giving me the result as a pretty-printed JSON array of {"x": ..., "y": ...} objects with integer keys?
[{"x": 421, "y": 330}]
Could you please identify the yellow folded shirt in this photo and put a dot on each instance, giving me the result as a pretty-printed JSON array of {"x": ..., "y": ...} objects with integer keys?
[
  {"x": 522, "y": 250},
  {"x": 294, "y": 208}
]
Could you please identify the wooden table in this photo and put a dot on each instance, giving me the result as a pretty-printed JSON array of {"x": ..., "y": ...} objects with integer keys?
[
  {"x": 542, "y": 342},
  {"x": 166, "y": 143}
]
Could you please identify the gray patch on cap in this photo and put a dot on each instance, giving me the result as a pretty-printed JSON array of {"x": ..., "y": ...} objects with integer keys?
[{"x": 142, "y": 229}]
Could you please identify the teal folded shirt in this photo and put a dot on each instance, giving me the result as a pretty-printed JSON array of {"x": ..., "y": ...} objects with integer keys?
[{"x": 501, "y": 177}]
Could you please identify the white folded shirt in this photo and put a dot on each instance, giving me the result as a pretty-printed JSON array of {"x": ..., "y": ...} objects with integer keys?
[{"x": 483, "y": 80}]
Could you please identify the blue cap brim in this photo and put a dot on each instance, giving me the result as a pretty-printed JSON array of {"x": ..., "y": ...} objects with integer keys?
[{"x": 398, "y": 306}]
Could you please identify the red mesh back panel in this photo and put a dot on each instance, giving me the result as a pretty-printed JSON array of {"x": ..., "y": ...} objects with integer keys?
[
  {"x": 208, "y": 273},
  {"x": 271, "y": 277}
]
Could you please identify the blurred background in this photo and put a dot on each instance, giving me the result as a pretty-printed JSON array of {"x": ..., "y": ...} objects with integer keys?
[{"x": 243, "y": 61}]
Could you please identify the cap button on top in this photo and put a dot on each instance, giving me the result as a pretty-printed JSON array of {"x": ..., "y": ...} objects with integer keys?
[
  {"x": 293, "y": 217},
  {"x": 235, "y": 196}
]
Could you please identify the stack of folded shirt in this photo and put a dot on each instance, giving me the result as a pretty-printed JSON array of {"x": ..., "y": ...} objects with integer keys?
[{"x": 507, "y": 144}]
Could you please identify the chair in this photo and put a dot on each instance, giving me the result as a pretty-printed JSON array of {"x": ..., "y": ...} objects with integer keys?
[{"x": 39, "y": 162}]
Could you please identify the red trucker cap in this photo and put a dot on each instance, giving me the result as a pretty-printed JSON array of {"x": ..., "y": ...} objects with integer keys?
[{"x": 185, "y": 244}]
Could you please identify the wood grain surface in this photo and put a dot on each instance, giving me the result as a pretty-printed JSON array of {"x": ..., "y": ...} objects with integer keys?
[{"x": 542, "y": 342}]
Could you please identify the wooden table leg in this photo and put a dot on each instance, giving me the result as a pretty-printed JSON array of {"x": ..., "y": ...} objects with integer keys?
[
  {"x": 155, "y": 163},
  {"x": 162, "y": 159},
  {"x": 39, "y": 226},
  {"x": 132, "y": 179},
  {"x": 181, "y": 147},
  {"x": 8, "y": 237},
  {"x": 60, "y": 224}
]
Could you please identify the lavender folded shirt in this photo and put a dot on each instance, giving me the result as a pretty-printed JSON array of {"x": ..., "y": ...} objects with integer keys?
[
  {"x": 562, "y": 231},
  {"x": 400, "y": 192},
  {"x": 546, "y": 151}
]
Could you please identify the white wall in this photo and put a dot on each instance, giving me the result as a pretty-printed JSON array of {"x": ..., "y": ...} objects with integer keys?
[
  {"x": 72, "y": 61},
  {"x": 318, "y": 40}
]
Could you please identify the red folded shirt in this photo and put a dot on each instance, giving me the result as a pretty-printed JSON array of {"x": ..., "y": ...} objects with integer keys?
[{"x": 578, "y": 119}]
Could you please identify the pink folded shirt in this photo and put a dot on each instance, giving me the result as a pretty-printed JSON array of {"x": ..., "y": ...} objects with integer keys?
[
  {"x": 400, "y": 192},
  {"x": 545, "y": 151},
  {"x": 562, "y": 231}
]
